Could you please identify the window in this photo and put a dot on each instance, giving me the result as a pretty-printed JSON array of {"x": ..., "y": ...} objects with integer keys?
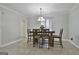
[{"x": 45, "y": 23}]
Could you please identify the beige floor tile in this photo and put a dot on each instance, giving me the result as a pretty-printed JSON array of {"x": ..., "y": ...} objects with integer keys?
[{"x": 21, "y": 48}]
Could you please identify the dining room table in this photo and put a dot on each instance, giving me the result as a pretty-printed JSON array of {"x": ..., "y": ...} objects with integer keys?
[{"x": 41, "y": 34}]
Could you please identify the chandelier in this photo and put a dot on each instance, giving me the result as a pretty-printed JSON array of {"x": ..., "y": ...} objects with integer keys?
[{"x": 41, "y": 18}]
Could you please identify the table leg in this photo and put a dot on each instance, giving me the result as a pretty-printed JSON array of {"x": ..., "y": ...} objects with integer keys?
[
  {"x": 33, "y": 41},
  {"x": 53, "y": 42}
]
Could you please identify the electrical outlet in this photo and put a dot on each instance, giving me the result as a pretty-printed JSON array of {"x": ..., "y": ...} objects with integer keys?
[{"x": 71, "y": 38}]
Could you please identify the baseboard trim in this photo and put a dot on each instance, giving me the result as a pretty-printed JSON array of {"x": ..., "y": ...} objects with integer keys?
[
  {"x": 4, "y": 45},
  {"x": 73, "y": 44}
]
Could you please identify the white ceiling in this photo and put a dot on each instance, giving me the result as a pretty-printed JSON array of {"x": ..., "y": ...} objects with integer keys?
[{"x": 34, "y": 8}]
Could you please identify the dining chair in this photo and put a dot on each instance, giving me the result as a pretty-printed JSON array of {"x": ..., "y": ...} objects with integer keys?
[
  {"x": 36, "y": 36},
  {"x": 59, "y": 37},
  {"x": 45, "y": 30},
  {"x": 39, "y": 33},
  {"x": 44, "y": 35}
]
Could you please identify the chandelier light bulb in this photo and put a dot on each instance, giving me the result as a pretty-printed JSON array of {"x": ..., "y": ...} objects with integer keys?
[{"x": 41, "y": 18}]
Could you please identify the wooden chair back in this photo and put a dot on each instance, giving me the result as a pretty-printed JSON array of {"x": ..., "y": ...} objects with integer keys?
[{"x": 61, "y": 32}]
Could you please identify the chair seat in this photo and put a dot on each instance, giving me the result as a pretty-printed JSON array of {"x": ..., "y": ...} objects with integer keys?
[
  {"x": 56, "y": 36},
  {"x": 36, "y": 36}
]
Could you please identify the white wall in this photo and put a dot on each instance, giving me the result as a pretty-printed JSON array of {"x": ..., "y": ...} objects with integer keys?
[
  {"x": 11, "y": 22},
  {"x": 58, "y": 20},
  {"x": 32, "y": 22},
  {"x": 74, "y": 24},
  {"x": 61, "y": 21},
  {"x": 0, "y": 28}
]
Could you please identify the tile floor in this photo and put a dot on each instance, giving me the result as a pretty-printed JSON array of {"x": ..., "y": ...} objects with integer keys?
[{"x": 21, "y": 48}]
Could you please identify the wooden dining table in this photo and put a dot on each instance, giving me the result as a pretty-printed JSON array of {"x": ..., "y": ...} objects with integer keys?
[{"x": 34, "y": 33}]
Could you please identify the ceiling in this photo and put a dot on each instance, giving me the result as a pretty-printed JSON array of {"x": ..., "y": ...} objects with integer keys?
[{"x": 34, "y": 8}]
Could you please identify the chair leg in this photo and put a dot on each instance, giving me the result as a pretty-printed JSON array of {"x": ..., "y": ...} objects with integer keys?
[
  {"x": 33, "y": 42},
  {"x": 48, "y": 43},
  {"x": 61, "y": 42},
  {"x": 42, "y": 42},
  {"x": 53, "y": 42},
  {"x": 39, "y": 43}
]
